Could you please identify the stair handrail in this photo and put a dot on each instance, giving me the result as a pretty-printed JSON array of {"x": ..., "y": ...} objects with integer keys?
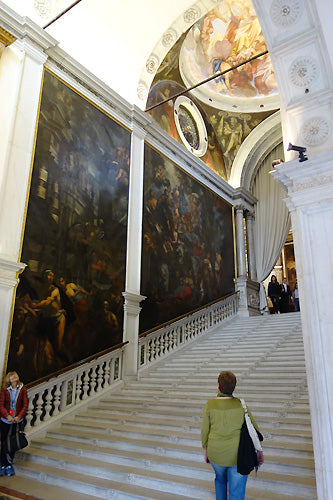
[
  {"x": 61, "y": 392},
  {"x": 169, "y": 337}
]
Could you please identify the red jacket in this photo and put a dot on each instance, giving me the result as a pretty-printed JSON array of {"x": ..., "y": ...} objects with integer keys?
[{"x": 22, "y": 402}]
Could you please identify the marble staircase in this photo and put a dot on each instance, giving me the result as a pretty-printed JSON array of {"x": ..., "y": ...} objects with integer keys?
[{"x": 142, "y": 441}]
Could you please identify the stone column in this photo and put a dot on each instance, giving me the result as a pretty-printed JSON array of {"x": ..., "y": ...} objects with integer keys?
[
  {"x": 251, "y": 258},
  {"x": 241, "y": 280},
  {"x": 240, "y": 242},
  {"x": 310, "y": 201},
  {"x": 134, "y": 244},
  {"x": 21, "y": 71}
]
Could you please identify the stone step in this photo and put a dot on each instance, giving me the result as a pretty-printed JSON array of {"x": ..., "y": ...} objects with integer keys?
[
  {"x": 142, "y": 441},
  {"x": 39, "y": 490},
  {"x": 195, "y": 485},
  {"x": 190, "y": 451},
  {"x": 161, "y": 463},
  {"x": 100, "y": 487}
]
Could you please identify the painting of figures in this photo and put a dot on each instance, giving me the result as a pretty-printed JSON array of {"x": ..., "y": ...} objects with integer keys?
[
  {"x": 188, "y": 257},
  {"x": 69, "y": 300}
]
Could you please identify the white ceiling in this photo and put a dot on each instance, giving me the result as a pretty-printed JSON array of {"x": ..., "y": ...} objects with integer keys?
[{"x": 111, "y": 38}]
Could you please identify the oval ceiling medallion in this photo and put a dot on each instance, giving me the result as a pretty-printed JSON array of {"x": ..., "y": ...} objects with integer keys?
[
  {"x": 226, "y": 37},
  {"x": 190, "y": 126}
]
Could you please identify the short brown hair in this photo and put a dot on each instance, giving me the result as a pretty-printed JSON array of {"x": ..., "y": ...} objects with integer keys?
[{"x": 227, "y": 382}]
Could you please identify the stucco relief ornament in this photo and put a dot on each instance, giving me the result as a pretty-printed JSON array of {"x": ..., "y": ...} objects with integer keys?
[
  {"x": 169, "y": 38},
  {"x": 315, "y": 131},
  {"x": 43, "y": 7},
  {"x": 303, "y": 71},
  {"x": 285, "y": 12},
  {"x": 191, "y": 15},
  {"x": 142, "y": 91},
  {"x": 152, "y": 64}
]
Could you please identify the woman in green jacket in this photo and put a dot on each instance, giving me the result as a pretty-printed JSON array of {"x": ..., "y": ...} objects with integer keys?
[{"x": 223, "y": 418}]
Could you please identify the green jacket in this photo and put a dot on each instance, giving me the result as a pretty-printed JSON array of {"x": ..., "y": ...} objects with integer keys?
[{"x": 220, "y": 431}]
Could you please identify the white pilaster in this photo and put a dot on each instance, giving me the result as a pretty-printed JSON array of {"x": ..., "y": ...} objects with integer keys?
[
  {"x": 134, "y": 244},
  {"x": 240, "y": 242},
  {"x": 8, "y": 281},
  {"x": 310, "y": 201},
  {"x": 251, "y": 258},
  {"x": 21, "y": 71}
]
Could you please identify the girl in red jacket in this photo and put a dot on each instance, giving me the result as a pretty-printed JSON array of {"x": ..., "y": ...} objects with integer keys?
[{"x": 13, "y": 407}]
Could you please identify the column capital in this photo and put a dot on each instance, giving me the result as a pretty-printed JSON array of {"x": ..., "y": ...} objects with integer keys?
[
  {"x": 140, "y": 122},
  {"x": 239, "y": 207},
  {"x": 249, "y": 215},
  {"x": 33, "y": 51},
  {"x": 132, "y": 302},
  {"x": 9, "y": 272}
]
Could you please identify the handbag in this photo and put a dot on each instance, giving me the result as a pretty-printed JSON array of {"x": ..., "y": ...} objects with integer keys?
[
  {"x": 15, "y": 441},
  {"x": 249, "y": 445}
]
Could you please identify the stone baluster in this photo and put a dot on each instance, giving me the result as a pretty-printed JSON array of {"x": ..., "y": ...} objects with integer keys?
[
  {"x": 100, "y": 377},
  {"x": 48, "y": 404},
  {"x": 30, "y": 413},
  {"x": 85, "y": 385},
  {"x": 107, "y": 371},
  {"x": 78, "y": 387},
  {"x": 57, "y": 399},
  {"x": 93, "y": 380},
  {"x": 39, "y": 408}
]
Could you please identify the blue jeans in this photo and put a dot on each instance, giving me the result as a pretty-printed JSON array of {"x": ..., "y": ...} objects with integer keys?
[{"x": 229, "y": 476}]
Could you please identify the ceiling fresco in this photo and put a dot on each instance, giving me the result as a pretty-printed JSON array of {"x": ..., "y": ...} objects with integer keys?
[
  {"x": 229, "y": 35},
  {"x": 230, "y": 106}
]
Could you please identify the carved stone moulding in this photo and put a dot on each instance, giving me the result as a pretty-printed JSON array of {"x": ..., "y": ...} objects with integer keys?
[
  {"x": 285, "y": 13},
  {"x": 316, "y": 131},
  {"x": 192, "y": 14},
  {"x": 303, "y": 71},
  {"x": 152, "y": 64},
  {"x": 142, "y": 91},
  {"x": 169, "y": 37}
]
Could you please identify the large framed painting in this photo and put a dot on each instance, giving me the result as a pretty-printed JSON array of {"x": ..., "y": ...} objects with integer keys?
[
  {"x": 69, "y": 299},
  {"x": 188, "y": 251}
]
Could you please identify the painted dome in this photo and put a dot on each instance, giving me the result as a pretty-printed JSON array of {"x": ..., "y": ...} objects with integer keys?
[{"x": 227, "y": 36}]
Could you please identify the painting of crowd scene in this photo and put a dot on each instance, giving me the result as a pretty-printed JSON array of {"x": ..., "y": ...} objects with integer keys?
[
  {"x": 187, "y": 258},
  {"x": 69, "y": 299}
]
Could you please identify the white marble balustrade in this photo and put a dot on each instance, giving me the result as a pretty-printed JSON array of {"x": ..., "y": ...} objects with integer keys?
[
  {"x": 169, "y": 338},
  {"x": 60, "y": 394}
]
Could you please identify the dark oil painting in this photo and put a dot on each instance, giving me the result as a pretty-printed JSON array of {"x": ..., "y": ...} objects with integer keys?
[
  {"x": 188, "y": 256},
  {"x": 69, "y": 300}
]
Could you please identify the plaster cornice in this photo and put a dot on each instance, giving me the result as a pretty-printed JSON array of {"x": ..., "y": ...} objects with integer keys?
[{"x": 22, "y": 27}]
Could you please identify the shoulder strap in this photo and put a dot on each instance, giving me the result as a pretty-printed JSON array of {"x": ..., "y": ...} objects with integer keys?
[{"x": 251, "y": 428}]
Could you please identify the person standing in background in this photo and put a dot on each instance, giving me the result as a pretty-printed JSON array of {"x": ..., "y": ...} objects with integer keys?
[
  {"x": 274, "y": 293},
  {"x": 296, "y": 298},
  {"x": 285, "y": 295}
]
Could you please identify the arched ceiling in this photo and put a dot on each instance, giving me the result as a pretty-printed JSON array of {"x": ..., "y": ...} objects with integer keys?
[
  {"x": 112, "y": 39},
  {"x": 123, "y": 43},
  {"x": 128, "y": 44}
]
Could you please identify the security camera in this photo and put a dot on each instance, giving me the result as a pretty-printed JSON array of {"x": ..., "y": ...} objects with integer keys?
[{"x": 300, "y": 149}]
